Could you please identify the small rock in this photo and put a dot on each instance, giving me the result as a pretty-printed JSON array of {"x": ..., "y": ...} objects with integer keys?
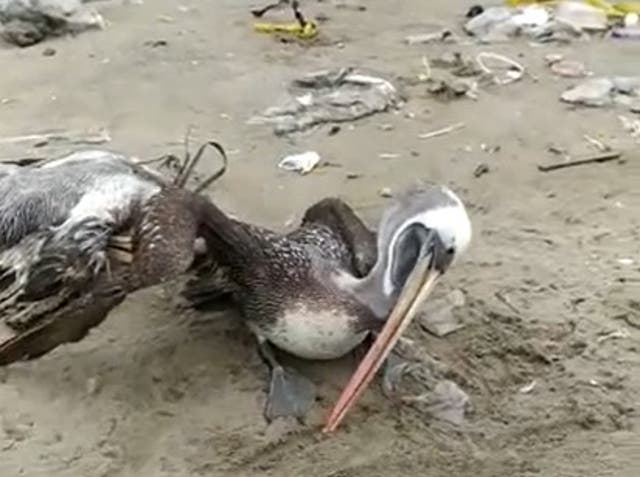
[
  {"x": 48, "y": 52},
  {"x": 353, "y": 175}
]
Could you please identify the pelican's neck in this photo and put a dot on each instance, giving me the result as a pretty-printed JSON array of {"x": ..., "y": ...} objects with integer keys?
[{"x": 370, "y": 290}]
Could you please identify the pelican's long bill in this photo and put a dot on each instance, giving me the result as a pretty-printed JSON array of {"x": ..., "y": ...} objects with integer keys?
[{"x": 416, "y": 290}]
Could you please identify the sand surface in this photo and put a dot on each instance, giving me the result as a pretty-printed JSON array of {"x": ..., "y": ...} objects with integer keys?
[{"x": 553, "y": 268}]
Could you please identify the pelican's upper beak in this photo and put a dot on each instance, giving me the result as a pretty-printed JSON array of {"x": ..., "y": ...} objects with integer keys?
[{"x": 417, "y": 288}]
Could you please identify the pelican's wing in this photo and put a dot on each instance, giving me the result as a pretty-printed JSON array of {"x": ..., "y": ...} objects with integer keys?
[
  {"x": 69, "y": 322},
  {"x": 359, "y": 240}
]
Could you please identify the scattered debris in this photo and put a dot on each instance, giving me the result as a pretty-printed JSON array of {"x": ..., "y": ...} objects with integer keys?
[
  {"x": 388, "y": 155},
  {"x": 626, "y": 261},
  {"x": 599, "y": 145},
  {"x": 329, "y": 96},
  {"x": 76, "y": 138},
  {"x": 302, "y": 28},
  {"x": 156, "y": 43},
  {"x": 350, "y": 6},
  {"x": 614, "y": 335},
  {"x": 437, "y": 316},
  {"x": 526, "y": 389},
  {"x": 450, "y": 88},
  {"x": 514, "y": 73},
  {"x": 566, "y": 68},
  {"x": 442, "y": 36},
  {"x": 302, "y": 163},
  {"x": 604, "y": 91},
  {"x": 481, "y": 169},
  {"x": 92, "y": 386},
  {"x": 545, "y": 22},
  {"x": 386, "y": 193},
  {"x": 626, "y": 32},
  {"x": 581, "y": 16},
  {"x": 460, "y": 65},
  {"x": 500, "y": 24},
  {"x": 420, "y": 381},
  {"x": 489, "y": 149},
  {"x": 448, "y": 402},
  {"x": 593, "y": 92},
  {"x": 598, "y": 158},
  {"x": 442, "y": 132},
  {"x": 632, "y": 126},
  {"x": 27, "y": 22},
  {"x": 335, "y": 129}
]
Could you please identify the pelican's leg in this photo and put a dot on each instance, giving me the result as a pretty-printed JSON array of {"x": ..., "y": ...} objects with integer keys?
[{"x": 290, "y": 394}]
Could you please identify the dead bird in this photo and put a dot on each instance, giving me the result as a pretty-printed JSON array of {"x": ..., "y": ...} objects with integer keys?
[
  {"x": 79, "y": 233},
  {"x": 318, "y": 291}
]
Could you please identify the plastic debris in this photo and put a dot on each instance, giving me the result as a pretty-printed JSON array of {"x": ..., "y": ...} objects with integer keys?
[
  {"x": 527, "y": 388},
  {"x": 302, "y": 163},
  {"x": 581, "y": 16},
  {"x": 385, "y": 192},
  {"x": 514, "y": 73},
  {"x": 302, "y": 28},
  {"x": 566, "y": 68},
  {"x": 632, "y": 126},
  {"x": 329, "y": 96},
  {"x": 444, "y": 35},
  {"x": 438, "y": 317},
  {"x": 593, "y": 92},
  {"x": 420, "y": 381},
  {"x": 305, "y": 32},
  {"x": 604, "y": 91},
  {"x": 615, "y": 335},
  {"x": 27, "y": 22},
  {"x": 492, "y": 25},
  {"x": 626, "y": 32},
  {"x": 441, "y": 131}
]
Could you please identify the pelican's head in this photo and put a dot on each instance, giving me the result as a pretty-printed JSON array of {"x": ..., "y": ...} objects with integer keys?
[
  {"x": 426, "y": 225},
  {"x": 420, "y": 236}
]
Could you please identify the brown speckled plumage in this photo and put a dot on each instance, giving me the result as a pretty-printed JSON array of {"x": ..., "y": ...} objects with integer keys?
[
  {"x": 50, "y": 290},
  {"x": 266, "y": 273}
]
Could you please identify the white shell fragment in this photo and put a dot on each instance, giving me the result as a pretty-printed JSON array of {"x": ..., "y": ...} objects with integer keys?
[{"x": 302, "y": 163}]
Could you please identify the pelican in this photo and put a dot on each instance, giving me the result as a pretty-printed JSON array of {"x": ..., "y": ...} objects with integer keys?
[
  {"x": 78, "y": 234},
  {"x": 319, "y": 290}
]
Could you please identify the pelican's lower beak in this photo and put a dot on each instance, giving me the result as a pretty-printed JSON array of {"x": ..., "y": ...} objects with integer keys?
[{"x": 416, "y": 290}]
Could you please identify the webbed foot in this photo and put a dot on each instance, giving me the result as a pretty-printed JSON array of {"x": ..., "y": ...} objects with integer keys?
[{"x": 290, "y": 395}]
